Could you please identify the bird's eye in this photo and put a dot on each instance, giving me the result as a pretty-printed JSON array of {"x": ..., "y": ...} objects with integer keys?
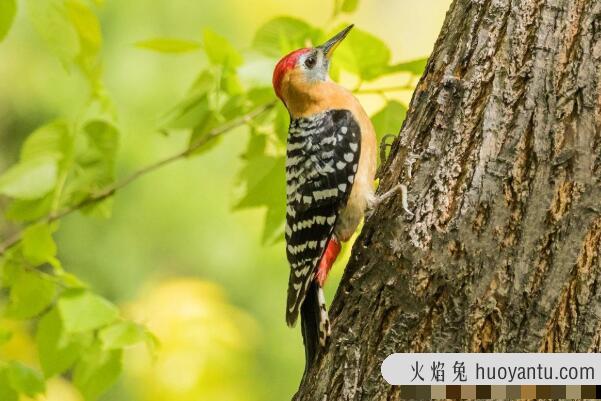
[{"x": 310, "y": 62}]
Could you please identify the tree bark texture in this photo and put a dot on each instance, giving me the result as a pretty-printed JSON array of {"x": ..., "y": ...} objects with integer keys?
[{"x": 501, "y": 152}]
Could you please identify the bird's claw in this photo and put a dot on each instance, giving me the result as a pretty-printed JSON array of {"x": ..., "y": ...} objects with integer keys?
[{"x": 381, "y": 198}]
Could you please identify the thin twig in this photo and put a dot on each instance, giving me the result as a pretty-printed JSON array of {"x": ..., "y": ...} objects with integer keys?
[{"x": 111, "y": 189}]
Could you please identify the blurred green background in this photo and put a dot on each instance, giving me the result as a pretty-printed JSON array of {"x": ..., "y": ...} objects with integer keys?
[{"x": 173, "y": 254}]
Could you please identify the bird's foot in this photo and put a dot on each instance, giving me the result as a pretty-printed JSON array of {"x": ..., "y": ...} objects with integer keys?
[{"x": 385, "y": 196}]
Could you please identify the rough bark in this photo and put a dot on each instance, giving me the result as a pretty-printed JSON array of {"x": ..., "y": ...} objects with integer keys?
[{"x": 501, "y": 151}]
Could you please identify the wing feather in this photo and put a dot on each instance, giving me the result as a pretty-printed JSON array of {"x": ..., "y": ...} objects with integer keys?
[{"x": 322, "y": 156}]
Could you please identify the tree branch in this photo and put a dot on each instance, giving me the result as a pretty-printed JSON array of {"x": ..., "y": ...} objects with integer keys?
[{"x": 111, "y": 189}]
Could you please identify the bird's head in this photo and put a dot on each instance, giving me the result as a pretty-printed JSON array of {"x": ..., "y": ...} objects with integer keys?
[{"x": 304, "y": 68}]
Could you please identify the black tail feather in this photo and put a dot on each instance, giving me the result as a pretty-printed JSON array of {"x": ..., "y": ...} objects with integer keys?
[{"x": 310, "y": 324}]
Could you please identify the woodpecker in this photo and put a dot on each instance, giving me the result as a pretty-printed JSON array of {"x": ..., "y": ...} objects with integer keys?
[{"x": 330, "y": 172}]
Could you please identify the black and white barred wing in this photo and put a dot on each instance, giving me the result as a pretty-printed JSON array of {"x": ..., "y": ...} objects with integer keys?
[{"x": 322, "y": 159}]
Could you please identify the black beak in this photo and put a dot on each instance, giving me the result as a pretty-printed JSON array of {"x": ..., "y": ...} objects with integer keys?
[{"x": 331, "y": 45}]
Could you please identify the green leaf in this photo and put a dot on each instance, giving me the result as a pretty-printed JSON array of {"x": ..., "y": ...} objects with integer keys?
[
  {"x": 204, "y": 83},
  {"x": 264, "y": 182},
  {"x": 32, "y": 178},
  {"x": 233, "y": 107},
  {"x": 261, "y": 95},
  {"x": 86, "y": 24},
  {"x": 70, "y": 280},
  {"x": 169, "y": 45},
  {"x": 8, "y": 10},
  {"x": 256, "y": 146},
  {"x": 335, "y": 72},
  {"x": 363, "y": 54},
  {"x": 349, "y": 6},
  {"x": 7, "y": 393},
  {"x": 102, "y": 137},
  {"x": 95, "y": 159},
  {"x": 72, "y": 32},
  {"x": 25, "y": 380},
  {"x": 78, "y": 20},
  {"x": 194, "y": 107},
  {"x": 82, "y": 310},
  {"x": 220, "y": 51},
  {"x": 415, "y": 67},
  {"x": 5, "y": 336},
  {"x": 28, "y": 210},
  {"x": 51, "y": 140},
  {"x": 30, "y": 294},
  {"x": 261, "y": 176},
  {"x": 89, "y": 34},
  {"x": 389, "y": 119},
  {"x": 263, "y": 185},
  {"x": 38, "y": 245},
  {"x": 56, "y": 353},
  {"x": 230, "y": 83},
  {"x": 97, "y": 371},
  {"x": 10, "y": 267},
  {"x": 284, "y": 34},
  {"x": 191, "y": 113},
  {"x": 205, "y": 106},
  {"x": 29, "y": 179},
  {"x": 209, "y": 121},
  {"x": 281, "y": 122},
  {"x": 50, "y": 19},
  {"x": 273, "y": 230},
  {"x": 122, "y": 334}
]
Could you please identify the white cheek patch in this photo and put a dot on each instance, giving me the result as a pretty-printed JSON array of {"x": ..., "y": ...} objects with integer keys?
[{"x": 319, "y": 72}]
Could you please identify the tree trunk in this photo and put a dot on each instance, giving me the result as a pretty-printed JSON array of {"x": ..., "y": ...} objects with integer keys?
[{"x": 501, "y": 151}]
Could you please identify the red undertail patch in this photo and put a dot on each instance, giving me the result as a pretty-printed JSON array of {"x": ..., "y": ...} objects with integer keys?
[{"x": 327, "y": 260}]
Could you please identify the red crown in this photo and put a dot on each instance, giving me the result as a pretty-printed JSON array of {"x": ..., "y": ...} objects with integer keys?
[{"x": 286, "y": 63}]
